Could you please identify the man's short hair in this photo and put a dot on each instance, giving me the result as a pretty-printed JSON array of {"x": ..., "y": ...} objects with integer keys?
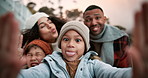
[{"x": 91, "y": 7}]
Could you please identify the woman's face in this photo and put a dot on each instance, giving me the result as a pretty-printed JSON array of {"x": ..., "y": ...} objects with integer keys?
[
  {"x": 47, "y": 30},
  {"x": 35, "y": 56},
  {"x": 72, "y": 45}
]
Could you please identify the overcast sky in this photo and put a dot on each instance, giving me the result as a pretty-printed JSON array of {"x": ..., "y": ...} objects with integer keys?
[{"x": 119, "y": 12}]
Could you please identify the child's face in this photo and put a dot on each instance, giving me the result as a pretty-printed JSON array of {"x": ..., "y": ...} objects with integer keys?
[
  {"x": 35, "y": 56},
  {"x": 72, "y": 45}
]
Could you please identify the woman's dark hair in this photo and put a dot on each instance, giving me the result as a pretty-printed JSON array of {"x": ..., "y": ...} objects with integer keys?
[
  {"x": 30, "y": 34},
  {"x": 33, "y": 33},
  {"x": 57, "y": 22}
]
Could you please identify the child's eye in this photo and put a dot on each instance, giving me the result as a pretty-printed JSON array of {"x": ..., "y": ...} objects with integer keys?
[
  {"x": 29, "y": 55},
  {"x": 65, "y": 39},
  {"x": 78, "y": 40},
  {"x": 38, "y": 54}
]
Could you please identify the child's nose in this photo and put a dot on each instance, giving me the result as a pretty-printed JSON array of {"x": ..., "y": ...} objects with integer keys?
[
  {"x": 71, "y": 44},
  {"x": 33, "y": 58}
]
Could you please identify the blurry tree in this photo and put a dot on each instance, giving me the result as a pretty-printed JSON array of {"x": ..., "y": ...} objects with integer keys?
[
  {"x": 73, "y": 14},
  {"x": 51, "y": 2},
  {"x": 47, "y": 10},
  {"x": 61, "y": 13},
  {"x": 31, "y": 6}
]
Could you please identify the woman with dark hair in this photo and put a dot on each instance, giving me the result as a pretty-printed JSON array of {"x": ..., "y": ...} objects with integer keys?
[{"x": 41, "y": 26}]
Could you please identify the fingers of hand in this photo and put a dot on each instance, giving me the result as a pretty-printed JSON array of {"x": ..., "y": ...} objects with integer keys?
[
  {"x": 145, "y": 20},
  {"x": 140, "y": 35},
  {"x": 8, "y": 34},
  {"x": 137, "y": 62}
]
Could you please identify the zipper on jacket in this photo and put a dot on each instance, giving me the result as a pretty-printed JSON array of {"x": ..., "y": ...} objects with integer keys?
[{"x": 65, "y": 71}]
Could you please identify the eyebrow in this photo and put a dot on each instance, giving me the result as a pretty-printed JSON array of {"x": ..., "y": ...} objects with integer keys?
[
  {"x": 74, "y": 36},
  {"x": 41, "y": 23},
  {"x": 91, "y": 15},
  {"x": 39, "y": 52},
  {"x": 78, "y": 36}
]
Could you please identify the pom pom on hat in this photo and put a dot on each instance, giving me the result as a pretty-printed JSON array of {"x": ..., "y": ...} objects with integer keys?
[
  {"x": 34, "y": 18},
  {"x": 77, "y": 26}
]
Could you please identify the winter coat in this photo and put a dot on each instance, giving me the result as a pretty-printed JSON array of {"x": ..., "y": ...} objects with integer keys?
[{"x": 53, "y": 66}]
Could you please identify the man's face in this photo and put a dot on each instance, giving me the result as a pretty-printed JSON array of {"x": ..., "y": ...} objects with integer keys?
[{"x": 94, "y": 20}]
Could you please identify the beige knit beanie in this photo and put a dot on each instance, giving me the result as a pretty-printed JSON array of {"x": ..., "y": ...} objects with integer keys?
[
  {"x": 77, "y": 26},
  {"x": 34, "y": 18}
]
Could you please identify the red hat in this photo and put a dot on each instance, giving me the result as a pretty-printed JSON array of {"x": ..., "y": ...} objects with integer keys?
[{"x": 42, "y": 44}]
